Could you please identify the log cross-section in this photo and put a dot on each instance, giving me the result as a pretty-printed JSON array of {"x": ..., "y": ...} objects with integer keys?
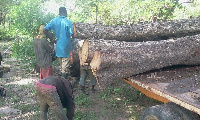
[{"x": 83, "y": 53}]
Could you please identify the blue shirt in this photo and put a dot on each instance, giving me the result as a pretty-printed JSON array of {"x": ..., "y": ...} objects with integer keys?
[{"x": 63, "y": 30}]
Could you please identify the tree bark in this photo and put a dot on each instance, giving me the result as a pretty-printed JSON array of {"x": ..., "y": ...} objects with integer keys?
[
  {"x": 138, "y": 32},
  {"x": 114, "y": 60}
]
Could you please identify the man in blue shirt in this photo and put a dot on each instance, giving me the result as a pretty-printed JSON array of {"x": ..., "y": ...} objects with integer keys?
[{"x": 63, "y": 30}]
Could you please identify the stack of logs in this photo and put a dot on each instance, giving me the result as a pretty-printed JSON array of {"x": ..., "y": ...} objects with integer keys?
[{"x": 106, "y": 51}]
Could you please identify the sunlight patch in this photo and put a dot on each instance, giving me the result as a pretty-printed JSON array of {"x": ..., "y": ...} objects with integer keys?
[
  {"x": 118, "y": 99},
  {"x": 26, "y": 115},
  {"x": 22, "y": 82},
  {"x": 8, "y": 110}
]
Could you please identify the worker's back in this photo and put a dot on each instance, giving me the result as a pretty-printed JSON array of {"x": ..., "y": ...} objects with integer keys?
[{"x": 56, "y": 93}]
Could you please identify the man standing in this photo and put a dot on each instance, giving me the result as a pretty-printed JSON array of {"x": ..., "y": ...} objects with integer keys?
[
  {"x": 43, "y": 50},
  {"x": 63, "y": 30},
  {"x": 84, "y": 73}
]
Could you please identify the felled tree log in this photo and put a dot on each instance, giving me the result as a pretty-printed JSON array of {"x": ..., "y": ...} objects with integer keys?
[
  {"x": 114, "y": 60},
  {"x": 138, "y": 32}
]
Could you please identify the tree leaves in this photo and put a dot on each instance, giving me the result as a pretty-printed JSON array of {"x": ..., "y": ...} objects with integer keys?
[{"x": 28, "y": 16}]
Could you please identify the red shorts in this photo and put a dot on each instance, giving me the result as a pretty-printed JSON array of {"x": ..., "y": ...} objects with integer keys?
[
  {"x": 45, "y": 72},
  {"x": 45, "y": 89}
]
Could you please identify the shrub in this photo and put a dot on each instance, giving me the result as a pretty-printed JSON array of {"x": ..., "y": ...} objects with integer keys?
[{"x": 23, "y": 51}]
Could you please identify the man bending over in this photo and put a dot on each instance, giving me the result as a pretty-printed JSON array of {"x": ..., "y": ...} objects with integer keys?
[{"x": 56, "y": 93}]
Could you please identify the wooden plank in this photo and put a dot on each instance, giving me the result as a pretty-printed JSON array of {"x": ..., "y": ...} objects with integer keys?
[
  {"x": 178, "y": 85},
  {"x": 147, "y": 92}
]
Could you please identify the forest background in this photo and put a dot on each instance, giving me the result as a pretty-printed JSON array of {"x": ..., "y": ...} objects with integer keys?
[{"x": 20, "y": 19}]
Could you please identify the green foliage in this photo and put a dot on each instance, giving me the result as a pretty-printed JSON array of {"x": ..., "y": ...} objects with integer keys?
[
  {"x": 167, "y": 9},
  {"x": 15, "y": 99},
  {"x": 4, "y": 9},
  {"x": 115, "y": 12},
  {"x": 28, "y": 107},
  {"x": 23, "y": 50},
  {"x": 124, "y": 94},
  {"x": 5, "y": 34},
  {"x": 83, "y": 100},
  {"x": 28, "y": 16},
  {"x": 190, "y": 10},
  {"x": 26, "y": 19},
  {"x": 84, "y": 10},
  {"x": 79, "y": 115}
]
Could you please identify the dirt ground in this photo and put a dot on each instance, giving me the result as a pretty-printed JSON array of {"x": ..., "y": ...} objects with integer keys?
[{"x": 20, "y": 102}]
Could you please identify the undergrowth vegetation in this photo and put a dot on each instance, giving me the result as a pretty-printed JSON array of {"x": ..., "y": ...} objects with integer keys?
[{"x": 24, "y": 52}]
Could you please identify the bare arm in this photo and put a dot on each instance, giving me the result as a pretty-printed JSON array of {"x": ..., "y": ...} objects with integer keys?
[
  {"x": 49, "y": 35},
  {"x": 48, "y": 47}
]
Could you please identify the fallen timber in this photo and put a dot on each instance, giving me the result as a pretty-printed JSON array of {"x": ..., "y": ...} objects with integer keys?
[
  {"x": 114, "y": 60},
  {"x": 139, "y": 65},
  {"x": 139, "y": 32},
  {"x": 178, "y": 84}
]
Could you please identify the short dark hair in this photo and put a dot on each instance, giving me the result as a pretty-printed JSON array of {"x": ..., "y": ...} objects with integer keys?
[{"x": 62, "y": 10}]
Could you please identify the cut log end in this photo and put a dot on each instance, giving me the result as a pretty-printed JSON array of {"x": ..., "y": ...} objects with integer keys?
[
  {"x": 84, "y": 51},
  {"x": 74, "y": 30},
  {"x": 95, "y": 63}
]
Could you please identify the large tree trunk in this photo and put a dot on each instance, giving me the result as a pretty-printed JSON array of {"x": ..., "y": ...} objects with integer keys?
[
  {"x": 138, "y": 32},
  {"x": 114, "y": 60}
]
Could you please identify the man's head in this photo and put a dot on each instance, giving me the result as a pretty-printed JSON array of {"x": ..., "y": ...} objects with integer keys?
[{"x": 62, "y": 11}]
